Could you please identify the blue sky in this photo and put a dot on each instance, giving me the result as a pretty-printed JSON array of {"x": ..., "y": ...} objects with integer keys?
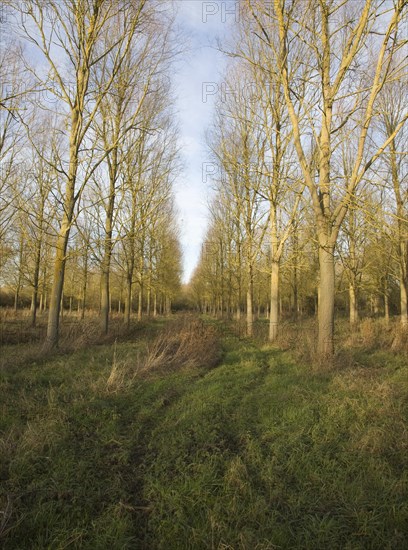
[{"x": 202, "y": 22}]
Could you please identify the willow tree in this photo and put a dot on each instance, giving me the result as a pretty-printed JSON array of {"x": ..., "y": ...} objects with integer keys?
[{"x": 344, "y": 53}]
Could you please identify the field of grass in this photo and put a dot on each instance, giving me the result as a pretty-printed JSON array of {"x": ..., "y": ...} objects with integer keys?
[{"x": 258, "y": 451}]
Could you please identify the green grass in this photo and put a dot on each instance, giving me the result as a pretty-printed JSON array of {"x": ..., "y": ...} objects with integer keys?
[{"x": 260, "y": 452}]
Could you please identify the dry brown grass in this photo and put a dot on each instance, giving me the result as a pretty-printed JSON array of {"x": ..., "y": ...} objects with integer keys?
[
  {"x": 184, "y": 343},
  {"x": 368, "y": 335},
  {"x": 187, "y": 342}
]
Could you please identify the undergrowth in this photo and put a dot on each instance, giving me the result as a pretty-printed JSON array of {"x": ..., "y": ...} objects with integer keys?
[{"x": 249, "y": 450}]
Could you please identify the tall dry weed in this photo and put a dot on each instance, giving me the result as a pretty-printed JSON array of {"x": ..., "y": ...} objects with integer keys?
[{"x": 182, "y": 344}]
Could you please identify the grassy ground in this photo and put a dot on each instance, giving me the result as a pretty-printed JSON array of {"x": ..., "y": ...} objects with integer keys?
[{"x": 259, "y": 452}]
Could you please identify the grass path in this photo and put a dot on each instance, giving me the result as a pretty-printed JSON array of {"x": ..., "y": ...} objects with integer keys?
[{"x": 257, "y": 453}]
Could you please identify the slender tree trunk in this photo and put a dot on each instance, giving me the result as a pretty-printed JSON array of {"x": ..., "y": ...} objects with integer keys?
[
  {"x": 84, "y": 287},
  {"x": 20, "y": 267},
  {"x": 402, "y": 232},
  {"x": 57, "y": 286},
  {"x": 249, "y": 301},
  {"x": 105, "y": 283},
  {"x": 376, "y": 305},
  {"x": 326, "y": 302},
  {"x": 128, "y": 301},
  {"x": 108, "y": 245},
  {"x": 295, "y": 273},
  {"x": 43, "y": 297},
  {"x": 386, "y": 301},
  {"x": 386, "y": 307},
  {"x": 17, "y": 295},
  {"x": 148, "y": 297},
  {"x": 404, "y": 298},
  {"x": 36, "y": 282},
  {"x": 62, "y": 304},
  {"x": 63, "y": 236},
  {"x": 274, "y": 307},
  {"x": 140, "y": 303},
  {"x": 353, "y": 304},
  {"x": 239, "y": 281}
]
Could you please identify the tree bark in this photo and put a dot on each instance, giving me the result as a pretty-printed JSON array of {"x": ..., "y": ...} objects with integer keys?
[
  {"x": 274, "y": 307},
  {"x": 404, "y": 298},
  {"x": 104, "y": 318},
  {"x": 325, "y": 343},
  {"x": 128, "y": 301},
  {"x": 36, "y": 283},
  {"x": 353, "y": 304},
  {"x": 140, "y": 303},
  {"x": 84, "y": 286},
  {"x": 58, "y": 285},
  {"x": 249, "y": 300}
]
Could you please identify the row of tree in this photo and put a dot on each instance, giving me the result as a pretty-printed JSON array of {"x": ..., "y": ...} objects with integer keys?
[
  {"x": 311, "y": 147},
  {"x": 88, "y": 151}
]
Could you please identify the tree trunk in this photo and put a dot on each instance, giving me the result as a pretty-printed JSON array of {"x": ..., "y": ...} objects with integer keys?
[
  {"x": 274, "y": 308},
  {"x": 62, "y": 304},
  {"x": 16, "y": 296},
  {"x": 51, "y": 340},
  {"x": 57, "y": 287},
  {"x": 386, "y": 301},
  {"x": 376, "y": 305},
  {"x": 386, "y": 308},
  {"x": 20, "y": 267},
  {"x": 295, "y": 272},
  {"x": 84, "y": 284},
  {"x": 353, "y": 304},
  {"x": 325, "y": 345},
  {"x": 402, "y": 232},
  {"x": 148, "y": 296},
  {"x": 43, "y": 298},
  {"x": 104, "y": 315},
  {"x": 128, "y": 301},
  {"x": 404, "y": 297},
  {"x": 36, "y": 282},
  {"x": 238, "y": 313},
  {"x": 140, "y": 304},
  {"x": 249, "y": 301}
]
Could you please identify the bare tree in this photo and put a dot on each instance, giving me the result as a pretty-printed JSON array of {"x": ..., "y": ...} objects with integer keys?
[
  {"x": 120, "y": 112},
  {"x": 324, "y": 43},
  {"x": 70, "y": 38},
  {"x": 393, "y": 110}
]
